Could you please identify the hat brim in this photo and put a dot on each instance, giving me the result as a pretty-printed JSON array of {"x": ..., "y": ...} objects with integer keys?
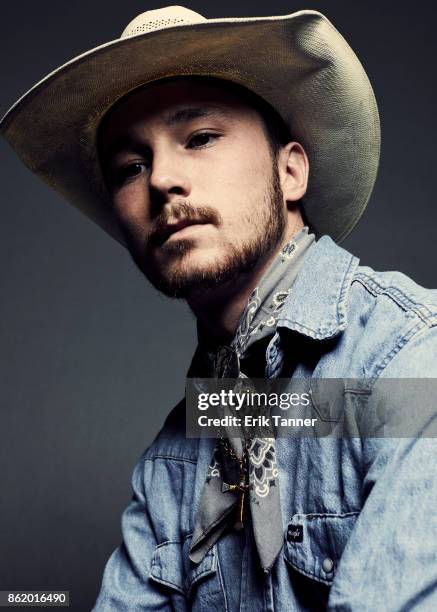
[{"x": 298, "y": 63}]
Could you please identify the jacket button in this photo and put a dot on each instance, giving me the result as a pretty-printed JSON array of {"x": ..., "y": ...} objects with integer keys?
[{"x": 328, "y": 565}]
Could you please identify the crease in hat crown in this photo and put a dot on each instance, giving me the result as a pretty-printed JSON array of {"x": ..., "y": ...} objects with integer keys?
[{"x": 159, "y": 19}]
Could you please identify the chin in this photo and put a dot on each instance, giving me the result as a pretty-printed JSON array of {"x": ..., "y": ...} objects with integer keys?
[
  {"x": 189, "y": 275},
  {"x": 185, "y": 258},
  {"x": 180, "y": 268}
]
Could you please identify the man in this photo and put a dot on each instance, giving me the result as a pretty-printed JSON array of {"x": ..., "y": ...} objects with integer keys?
[{"x": 219, "y": 168}]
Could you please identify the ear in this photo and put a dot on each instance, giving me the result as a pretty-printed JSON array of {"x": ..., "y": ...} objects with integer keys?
[{"x": 293, "y": 171}]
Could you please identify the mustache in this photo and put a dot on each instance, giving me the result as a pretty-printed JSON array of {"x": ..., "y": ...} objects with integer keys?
[{"x": 179, "y": 212}]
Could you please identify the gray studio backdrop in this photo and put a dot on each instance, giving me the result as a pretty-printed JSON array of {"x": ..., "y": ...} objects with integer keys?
[{"x": 92, "y": 359}]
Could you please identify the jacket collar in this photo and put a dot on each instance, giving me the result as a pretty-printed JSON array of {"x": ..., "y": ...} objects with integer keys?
[{"x": 317, "y": 304}]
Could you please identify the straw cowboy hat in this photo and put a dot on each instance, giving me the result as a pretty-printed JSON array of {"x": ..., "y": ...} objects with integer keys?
[{"x": 298, "y": 63}]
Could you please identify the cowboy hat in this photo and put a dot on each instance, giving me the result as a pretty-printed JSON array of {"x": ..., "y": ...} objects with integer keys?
[{"x": 298, "y": 63}]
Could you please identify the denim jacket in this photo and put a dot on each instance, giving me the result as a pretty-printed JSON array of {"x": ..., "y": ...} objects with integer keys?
[{"x": 360, "y": 514}]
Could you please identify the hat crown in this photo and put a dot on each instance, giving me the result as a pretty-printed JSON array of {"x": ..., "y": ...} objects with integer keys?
[{"x": 159, "y": 19}]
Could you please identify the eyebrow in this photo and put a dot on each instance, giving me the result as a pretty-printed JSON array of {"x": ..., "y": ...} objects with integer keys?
[
  {"x": 119, "y": 144},
  {"x": 184, "y": 115}
]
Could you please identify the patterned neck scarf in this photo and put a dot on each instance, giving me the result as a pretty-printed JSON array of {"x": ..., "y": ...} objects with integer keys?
[{"x": 243, "y": 472}]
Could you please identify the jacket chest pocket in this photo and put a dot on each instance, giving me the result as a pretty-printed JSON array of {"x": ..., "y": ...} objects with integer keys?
[
  {"x": 196, "y": 587},
  {"x": 315, "y": 543}
]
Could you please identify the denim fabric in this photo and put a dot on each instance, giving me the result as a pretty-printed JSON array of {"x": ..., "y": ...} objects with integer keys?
[{"x": 360, "y": 526}]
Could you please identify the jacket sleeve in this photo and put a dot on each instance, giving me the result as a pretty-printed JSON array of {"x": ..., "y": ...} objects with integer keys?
[
  {"x": 126, "y": 585},
  {"x": 390, "y": 560}
]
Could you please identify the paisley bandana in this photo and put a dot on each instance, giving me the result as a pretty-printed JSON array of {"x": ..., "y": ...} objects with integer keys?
[{"x": 227, "y": 489}]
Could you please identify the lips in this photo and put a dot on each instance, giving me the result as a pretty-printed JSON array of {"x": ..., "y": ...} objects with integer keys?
[{"x": 171, "y": 228}]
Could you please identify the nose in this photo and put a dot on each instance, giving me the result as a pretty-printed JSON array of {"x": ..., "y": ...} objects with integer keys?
[{"x": 168, "y": 178}]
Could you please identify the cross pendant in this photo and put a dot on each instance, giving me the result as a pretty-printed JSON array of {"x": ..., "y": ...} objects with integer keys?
[
  {"x": 241, "y": 488},
  {"x": 240, "y": 521}
]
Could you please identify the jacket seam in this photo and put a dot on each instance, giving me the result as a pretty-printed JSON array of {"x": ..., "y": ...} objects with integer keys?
[
  {"x": 172, "y": 458},
  {"x": 323, "y": 515},
  {"x": 167, "y": 542},
  {"x": 398, "y": 296}
]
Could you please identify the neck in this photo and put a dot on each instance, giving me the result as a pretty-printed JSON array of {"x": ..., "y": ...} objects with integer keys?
[{"x": 219, "y": 309}]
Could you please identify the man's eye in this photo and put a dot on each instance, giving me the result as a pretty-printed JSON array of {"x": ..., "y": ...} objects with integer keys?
[
  {"x": 203, "y": 139},
  {"x": 129, "y": 171}
]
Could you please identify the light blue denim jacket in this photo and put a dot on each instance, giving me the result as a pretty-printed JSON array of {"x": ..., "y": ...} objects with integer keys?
[{"x": 365, "y": 508}]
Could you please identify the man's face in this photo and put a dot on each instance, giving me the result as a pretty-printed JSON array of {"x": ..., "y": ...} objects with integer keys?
[{"x": 193, "y": 184}]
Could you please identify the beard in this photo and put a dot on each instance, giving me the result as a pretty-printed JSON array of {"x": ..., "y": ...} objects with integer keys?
[{"x": 181, "y": 280}]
